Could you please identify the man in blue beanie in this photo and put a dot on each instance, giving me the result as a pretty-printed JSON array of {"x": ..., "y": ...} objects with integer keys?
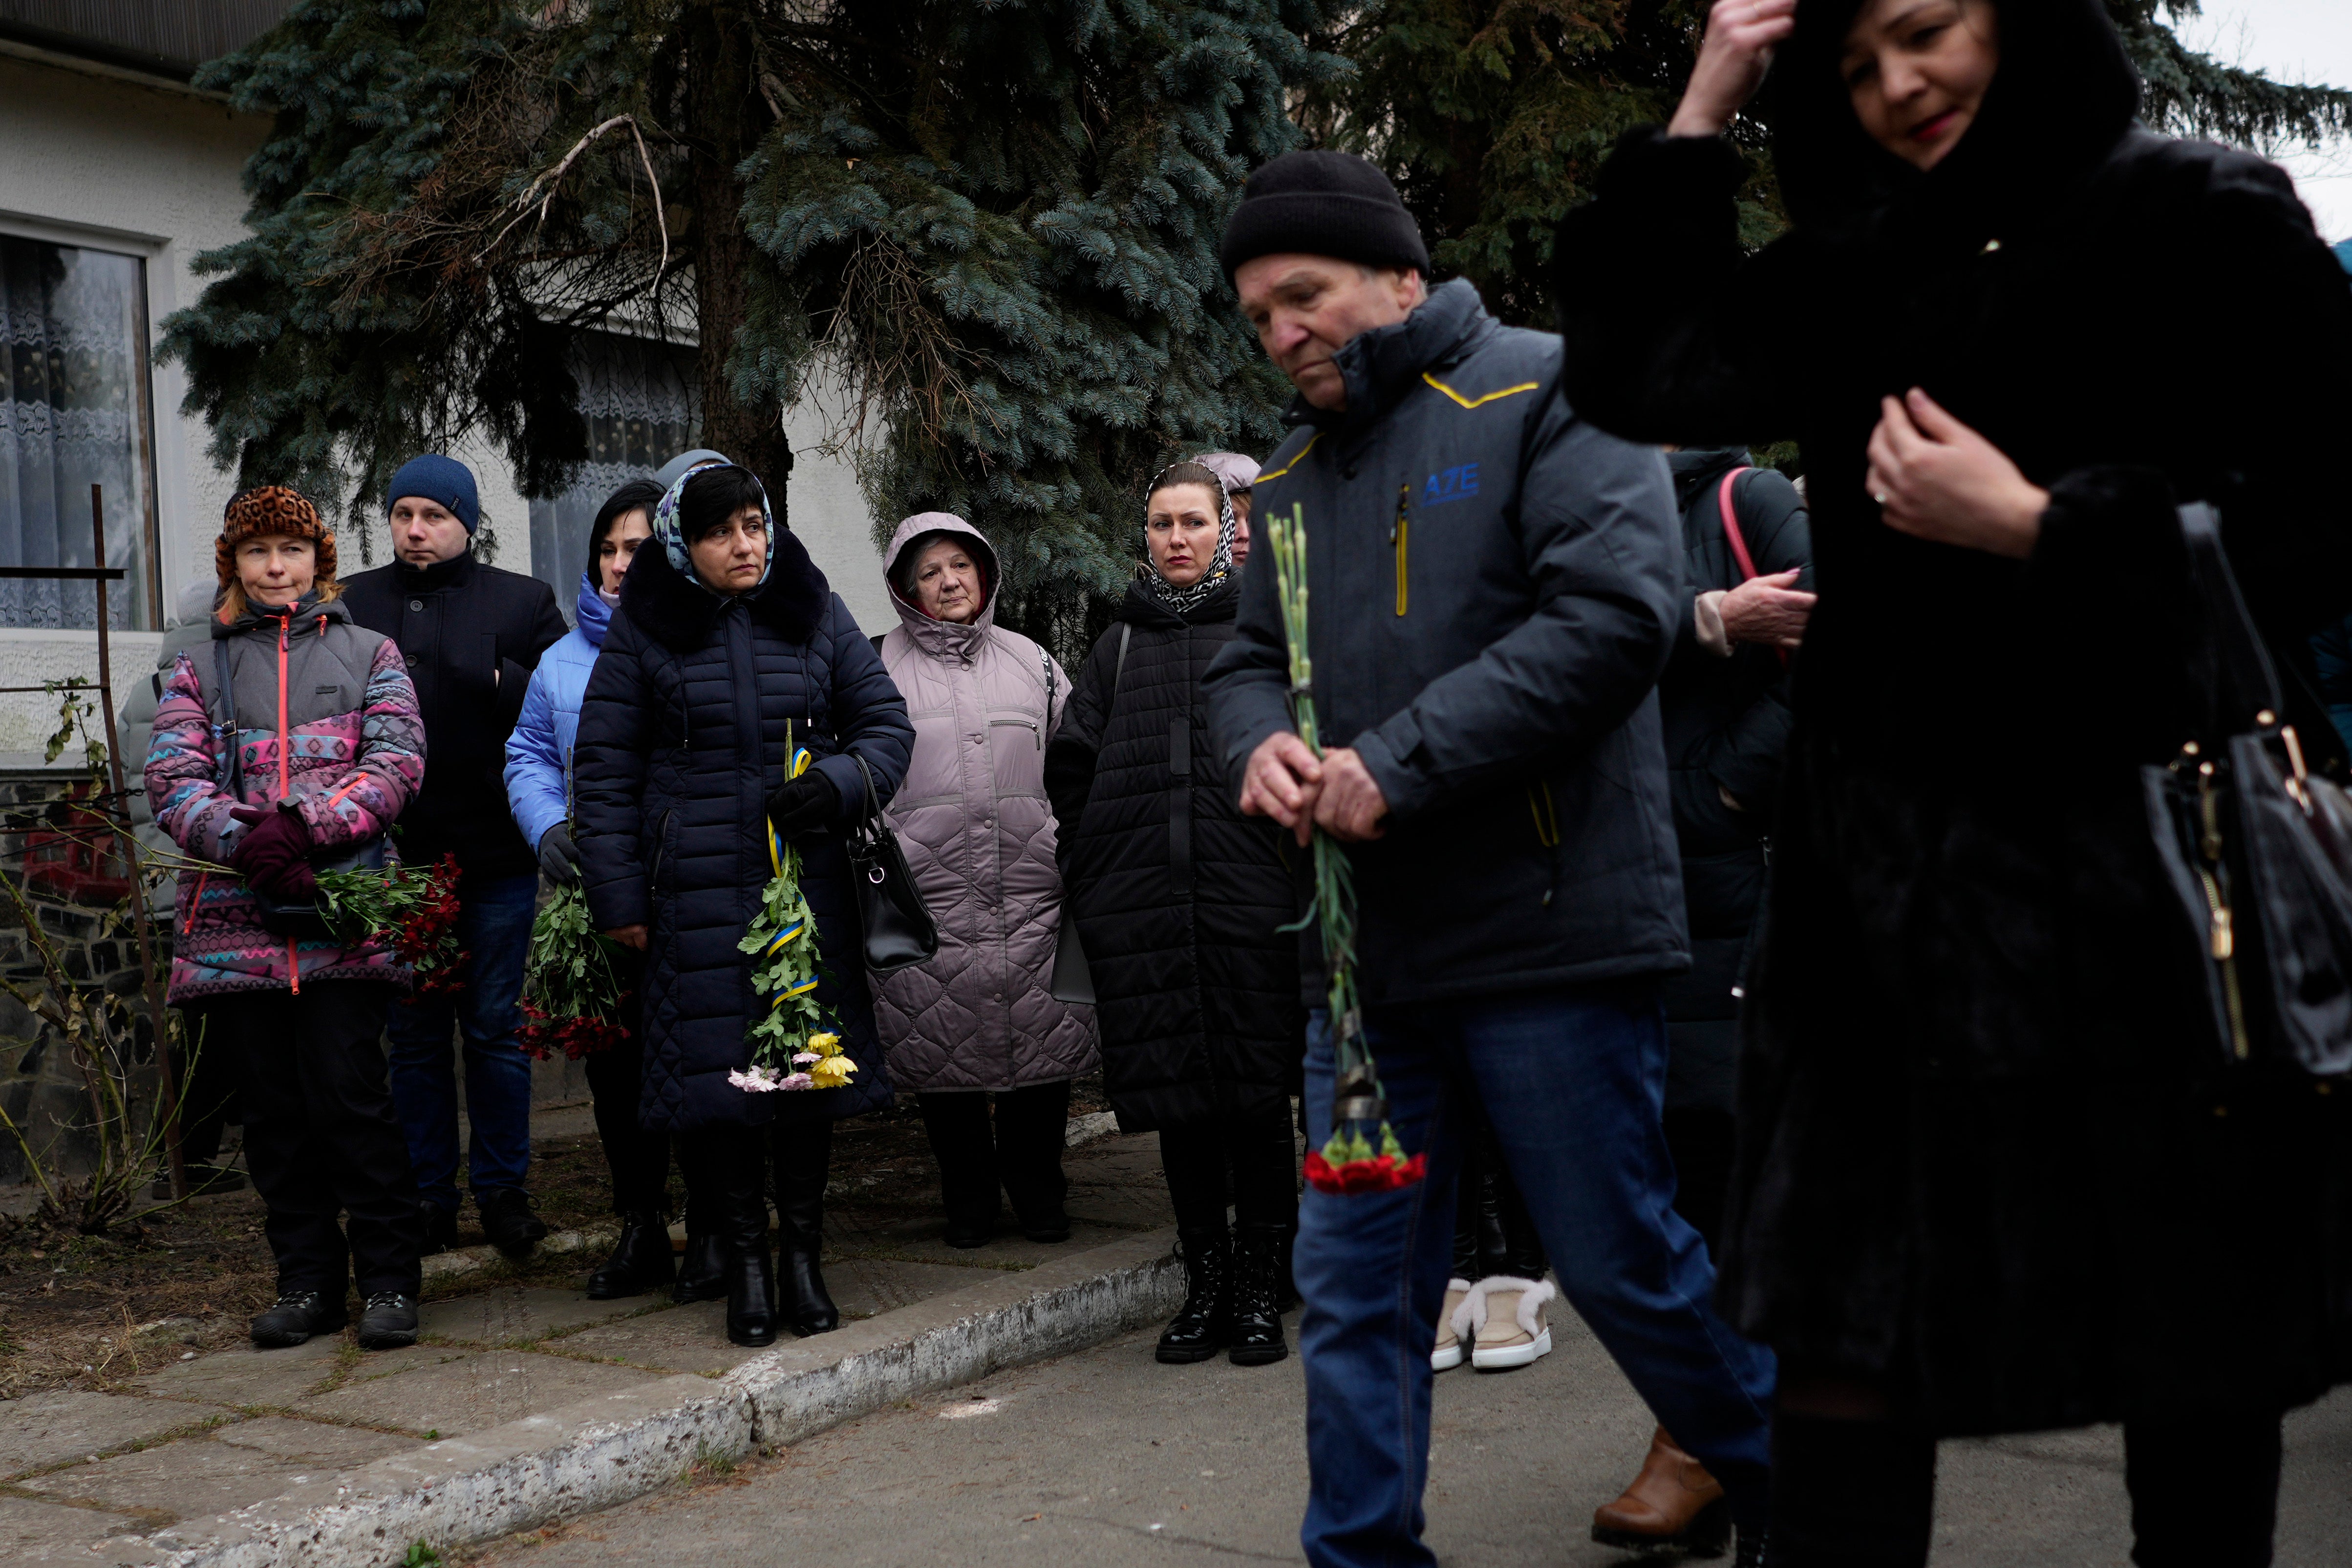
[{"x": 472, "y": 636}]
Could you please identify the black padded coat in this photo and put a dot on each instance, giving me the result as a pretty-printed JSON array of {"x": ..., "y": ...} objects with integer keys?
[
  {"x": 681, "y": 741},
  {"x": 1725, "y": 721},
  {"x": 1991, "y": 1155},
  {"x": 1177, "y": 895}
]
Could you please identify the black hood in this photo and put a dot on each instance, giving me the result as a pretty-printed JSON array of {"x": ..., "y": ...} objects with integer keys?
[
  {"x": 1700, "y": 467},
  {"x": 2063, "y": 94},
  {"x": 677, "y": 611},
  {"x": 1145, "y": 608}
]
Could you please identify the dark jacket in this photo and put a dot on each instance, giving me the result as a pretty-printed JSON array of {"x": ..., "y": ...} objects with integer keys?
[
  {"x": 681, "y": 741},
  {"x": 471, "y": 636},
  {"x": 1990, "y": 1155},
  {"x": 1493, "y": 589},
  {"x": 1727, "y": 732},
  {"x": 1177, "y": 895}
]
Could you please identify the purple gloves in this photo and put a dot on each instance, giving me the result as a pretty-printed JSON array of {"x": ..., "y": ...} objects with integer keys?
[{"x": 274, "y": 854}]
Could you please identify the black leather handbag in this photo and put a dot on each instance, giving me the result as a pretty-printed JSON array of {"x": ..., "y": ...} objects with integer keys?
[
  {"x": 287, "y": 917},
  {"x": 899, "y": 931},
  {"x": 2257, "y": 850}
]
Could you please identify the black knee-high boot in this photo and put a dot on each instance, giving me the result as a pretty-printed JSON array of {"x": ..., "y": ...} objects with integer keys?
[
  {"x": 702, "y": 1272},
  {"x": 742, "y": 1159},
  {"x": 2204, "y": 1490},
  {"x": 1849, "y": 1494},
  {"x": 803, "y": 1158}
]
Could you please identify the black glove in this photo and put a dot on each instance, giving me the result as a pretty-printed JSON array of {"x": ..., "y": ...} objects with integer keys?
[
  {"x": 804, "y": 804},
  {"x": 558, "y": 859}
]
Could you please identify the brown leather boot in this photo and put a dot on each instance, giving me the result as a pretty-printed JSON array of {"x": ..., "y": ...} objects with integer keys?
[{"x": 1673, "y": 1505}]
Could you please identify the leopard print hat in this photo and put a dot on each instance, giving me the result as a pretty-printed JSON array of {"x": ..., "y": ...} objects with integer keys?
[{"x": 271, "y": 509}]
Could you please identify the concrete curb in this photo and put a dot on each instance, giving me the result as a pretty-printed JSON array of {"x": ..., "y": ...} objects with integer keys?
[{"x": 605, "y": 1451}]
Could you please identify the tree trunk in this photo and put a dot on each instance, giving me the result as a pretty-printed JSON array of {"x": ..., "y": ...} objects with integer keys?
[{"x": 723, "y": 112}]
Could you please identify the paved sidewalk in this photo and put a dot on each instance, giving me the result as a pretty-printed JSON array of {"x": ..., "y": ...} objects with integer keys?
[{"x": 154, "y": 1467}]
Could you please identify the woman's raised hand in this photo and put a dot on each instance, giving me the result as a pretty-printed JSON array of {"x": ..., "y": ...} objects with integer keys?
[
  {"x": 1933, "y": 478},
  {"x": 1738, "y": 50}
]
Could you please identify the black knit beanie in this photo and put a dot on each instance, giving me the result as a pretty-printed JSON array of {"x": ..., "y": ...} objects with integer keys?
[{"x": 1323, "y": 203}]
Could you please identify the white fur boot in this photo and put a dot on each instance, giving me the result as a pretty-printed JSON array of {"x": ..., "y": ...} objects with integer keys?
[
  {"x": 1447, "y": 1354},
  {"x": 1502, "y": 1321}
]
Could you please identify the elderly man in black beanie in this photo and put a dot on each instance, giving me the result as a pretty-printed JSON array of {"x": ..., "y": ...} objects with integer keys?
[{"x": 1495, "y": 585}]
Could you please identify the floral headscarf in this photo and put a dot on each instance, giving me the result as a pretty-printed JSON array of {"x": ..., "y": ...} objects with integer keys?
[
  {"x": 1220, "y": 564},
  {"x": 667, "y": 530}
]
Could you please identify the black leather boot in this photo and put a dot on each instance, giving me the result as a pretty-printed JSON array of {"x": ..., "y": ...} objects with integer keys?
[
  {"x": 702, "y": 1272},
  {"x": 295, "y": 1316},
  {"x": 508, "y": 1222},
  {"x": 751, "y": 1277},
  {"x": 641, "y": 1258},
  {"x": 1201, "y": 1329},
  {"x": 804, "y": 1157},
  {"x": 1256, "y": 1320}
]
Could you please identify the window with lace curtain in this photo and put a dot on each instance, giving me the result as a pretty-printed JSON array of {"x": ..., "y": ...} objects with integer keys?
[
  {"x": 75, "y": 410},
  {"x": 638, "y": 398}
]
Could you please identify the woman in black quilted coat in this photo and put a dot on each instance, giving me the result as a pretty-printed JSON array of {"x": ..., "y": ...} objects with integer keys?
[
  {"x": 1998, "y": 1169},
  {"x": 726, "y": 632},
  {"x": 1177, "y": 897}
]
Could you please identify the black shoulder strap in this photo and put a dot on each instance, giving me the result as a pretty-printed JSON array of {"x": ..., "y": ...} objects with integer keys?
[
  {"x": 230, "y": 763},
  {"x": 2245, "y": 681},
  {"x": 1126, "y": 630},
  {"x": 876, "y": 641}
]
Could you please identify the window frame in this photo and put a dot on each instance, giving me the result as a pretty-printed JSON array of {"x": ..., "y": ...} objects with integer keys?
[{"x": 150, "y": 251}]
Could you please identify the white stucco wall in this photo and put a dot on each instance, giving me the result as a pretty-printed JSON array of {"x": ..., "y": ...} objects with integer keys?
[
  {"x": 148, "y": 171},
  {"x": 153, "y": 172}
]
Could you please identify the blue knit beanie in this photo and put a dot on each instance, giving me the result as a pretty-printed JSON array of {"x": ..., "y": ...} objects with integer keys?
[{"x": 445, "y": 481}]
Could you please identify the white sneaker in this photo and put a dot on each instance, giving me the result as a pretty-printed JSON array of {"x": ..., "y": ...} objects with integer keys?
[
  {"x": 1503, "y": 1320},
  {"x": 1448, "y": 1354}
]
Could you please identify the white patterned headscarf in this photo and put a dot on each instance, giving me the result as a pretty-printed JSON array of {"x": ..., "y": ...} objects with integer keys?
[
  {"x": 672, "y": 534},
  {"x": 1220, "y": 564}
]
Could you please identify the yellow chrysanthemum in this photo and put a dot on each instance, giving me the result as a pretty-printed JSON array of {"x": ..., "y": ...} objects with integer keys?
[
  {"x": 826, "y": 1045},
  {"x": 832, "y": 1072}
]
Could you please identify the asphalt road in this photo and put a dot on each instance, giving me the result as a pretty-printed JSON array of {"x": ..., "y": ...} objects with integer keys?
[{"x": 1107, "y": 1458}]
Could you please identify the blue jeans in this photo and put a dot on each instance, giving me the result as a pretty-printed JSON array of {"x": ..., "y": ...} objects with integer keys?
[
  {"x": 493, "y": 918},
  {"x": 1574, "y": 1082}
]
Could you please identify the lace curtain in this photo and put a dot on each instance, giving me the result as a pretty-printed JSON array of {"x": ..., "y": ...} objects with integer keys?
[
  {"x": 73, "y": 413},
  {"x": 638, "y": 399}
]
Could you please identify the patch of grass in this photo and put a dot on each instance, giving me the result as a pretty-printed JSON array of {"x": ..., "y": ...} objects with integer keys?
[{"x": 709, "y": 1464}]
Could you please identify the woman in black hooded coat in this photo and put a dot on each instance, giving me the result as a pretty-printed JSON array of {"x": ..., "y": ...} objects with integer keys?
[
  {"x": 1994, "y": 1174},
  {"x": 1179, "y": 900},
  {"x": 679, "y": 769}
]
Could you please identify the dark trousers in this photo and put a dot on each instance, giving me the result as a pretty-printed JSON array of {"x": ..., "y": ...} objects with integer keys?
[
  {"x": 321, "y": 1138},
  {"x": 494, "y": 920},
  {"x": 1701, "y": 1142},
  {"x": 638, "y": 1160},
  {"x": 1018, "y": 1149},
  {"x": 1862, "y": 1494},
  {"x": 729, "y": 1171},
  {"x": 205, "y": 1067},
  {"x": 1248, "y": 1158},
  {"x": 1493, "y": 1233}
]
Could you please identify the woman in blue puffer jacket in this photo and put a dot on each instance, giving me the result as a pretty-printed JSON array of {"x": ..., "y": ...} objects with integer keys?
[{"x": 538, "y": 791}]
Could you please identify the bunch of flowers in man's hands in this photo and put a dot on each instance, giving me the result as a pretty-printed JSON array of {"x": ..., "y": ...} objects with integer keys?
[
  {"x": 412, "y": 909},
  {"x": 571, "y": 995}
]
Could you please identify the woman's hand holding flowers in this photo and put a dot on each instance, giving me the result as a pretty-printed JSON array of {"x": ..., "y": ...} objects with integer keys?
[
  {"x": 803, "y": 804},
  {"x": 1737, "y": 51},
  {"x": 1935, "y": 479},
  {"x": 273, "y": 853}
]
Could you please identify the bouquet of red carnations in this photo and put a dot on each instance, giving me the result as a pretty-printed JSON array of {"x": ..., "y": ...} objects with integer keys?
[
  {"x": 570, "y": 993},
  {"x": 413, "y": 908},
  {"x": 1362, "y": 1154}
]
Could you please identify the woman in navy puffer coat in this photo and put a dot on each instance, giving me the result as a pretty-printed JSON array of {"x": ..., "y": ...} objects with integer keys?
[{"x": 727, "y": 633}]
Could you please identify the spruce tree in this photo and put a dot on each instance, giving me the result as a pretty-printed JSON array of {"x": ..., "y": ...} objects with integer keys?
[
  {"x": 990, "y": 229},
  {"x": 1493, "y": 116}
]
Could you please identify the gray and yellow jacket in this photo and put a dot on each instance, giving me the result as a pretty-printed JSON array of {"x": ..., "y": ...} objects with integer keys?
[{"x": 1494, "y": 587}]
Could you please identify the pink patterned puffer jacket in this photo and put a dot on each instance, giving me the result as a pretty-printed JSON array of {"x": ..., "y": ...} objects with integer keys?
[
  {"x": 327, "y": 718},
  {"x": 979, "y": 834}
]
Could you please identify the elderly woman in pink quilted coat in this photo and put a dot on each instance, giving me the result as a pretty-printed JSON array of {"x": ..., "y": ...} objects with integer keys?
[{"x": 979, "y": 1019}]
